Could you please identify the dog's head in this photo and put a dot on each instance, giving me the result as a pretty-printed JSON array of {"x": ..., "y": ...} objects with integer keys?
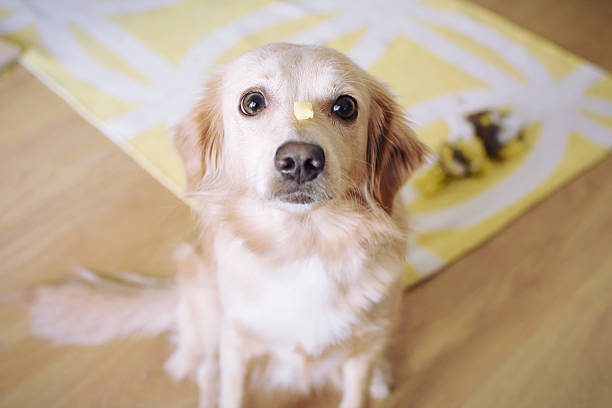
[{"x": 346, "y": 136}]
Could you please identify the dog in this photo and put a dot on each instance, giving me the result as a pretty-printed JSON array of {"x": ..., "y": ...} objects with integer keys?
[
  {"x": 295, "y": 282},
  {"x": 303, "y": 239}
]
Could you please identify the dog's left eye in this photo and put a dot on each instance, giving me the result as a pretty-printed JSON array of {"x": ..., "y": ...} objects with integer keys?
[
  {"x": 345, "y": 107},
  {"x": 252, "y": 103}
]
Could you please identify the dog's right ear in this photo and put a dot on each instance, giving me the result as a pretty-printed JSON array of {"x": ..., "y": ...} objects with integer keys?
[{"x": 199, "y": 136}]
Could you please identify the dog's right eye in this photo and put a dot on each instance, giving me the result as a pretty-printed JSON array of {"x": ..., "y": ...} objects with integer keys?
[{"x": 252, "y": 103}]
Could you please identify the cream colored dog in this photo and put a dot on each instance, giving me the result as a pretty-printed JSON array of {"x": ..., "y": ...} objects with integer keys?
[{"x": 295, "y": 282}]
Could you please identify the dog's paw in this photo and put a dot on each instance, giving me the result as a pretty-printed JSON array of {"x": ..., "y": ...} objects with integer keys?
[
  {"x": 208, "y": 384},
  {"x": 382, "y": 381},
  {"x": 379, "y": 390},
  {"x": 178, "y": 366}
]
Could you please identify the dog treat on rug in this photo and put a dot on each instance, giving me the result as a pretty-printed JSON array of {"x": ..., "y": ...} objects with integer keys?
[
  {"x": 495, "y": 135},
  {"x": 303, "y": 110},
  {"x": 496, "y": 128},
  {"x": 462, "y": 158}
]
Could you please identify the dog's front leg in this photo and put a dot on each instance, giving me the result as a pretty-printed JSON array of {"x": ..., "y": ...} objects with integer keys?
[
  {"x": 207, "y": 377},
  {"x": 356, "y": 377},
  {"x": 233, "y": 364}
]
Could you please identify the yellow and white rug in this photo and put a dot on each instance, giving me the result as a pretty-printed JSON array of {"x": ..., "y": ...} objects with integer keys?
[{"x": 134, "y": 67}]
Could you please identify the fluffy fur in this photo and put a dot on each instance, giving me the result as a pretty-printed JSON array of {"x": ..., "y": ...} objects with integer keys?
[
  {"x": 277, "y": 295},
  {"x": 306, "y": 294}
]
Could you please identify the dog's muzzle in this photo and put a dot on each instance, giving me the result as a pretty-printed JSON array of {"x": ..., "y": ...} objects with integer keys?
[{"x": 298, "y": 164}]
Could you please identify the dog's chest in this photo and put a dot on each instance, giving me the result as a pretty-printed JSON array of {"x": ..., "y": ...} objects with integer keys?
[{"x": 293, "y": 304}]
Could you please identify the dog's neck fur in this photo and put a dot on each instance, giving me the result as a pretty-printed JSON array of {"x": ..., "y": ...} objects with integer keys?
[
  {"x": 350, "y": 247},
  {"x": 327, "y": 229}
]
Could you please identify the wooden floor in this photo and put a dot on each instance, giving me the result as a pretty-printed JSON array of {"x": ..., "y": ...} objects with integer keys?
[{"x": 523, "y": 321}]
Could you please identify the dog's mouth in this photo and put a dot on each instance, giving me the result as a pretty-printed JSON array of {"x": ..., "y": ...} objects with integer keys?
[
  {"x": 302, "y": 194},
  {"x": 297, "y": 197}
]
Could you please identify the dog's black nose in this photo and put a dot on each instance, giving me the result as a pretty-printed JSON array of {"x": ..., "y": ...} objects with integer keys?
[{"x": 300, "y": 162}]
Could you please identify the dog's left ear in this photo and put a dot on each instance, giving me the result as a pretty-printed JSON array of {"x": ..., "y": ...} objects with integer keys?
[{"x": 393, "y": 151}]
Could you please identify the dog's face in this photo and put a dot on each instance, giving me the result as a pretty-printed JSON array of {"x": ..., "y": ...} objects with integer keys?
[
  {"x": 246, "y": 131},
  {"x": 285, "y": 159}
]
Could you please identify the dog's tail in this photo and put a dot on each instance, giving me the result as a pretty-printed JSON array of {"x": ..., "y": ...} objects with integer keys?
[{"x": 94, "y": 309}]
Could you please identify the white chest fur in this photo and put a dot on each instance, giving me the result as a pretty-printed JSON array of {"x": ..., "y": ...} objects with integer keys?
[{"x": 293, "y": 304}]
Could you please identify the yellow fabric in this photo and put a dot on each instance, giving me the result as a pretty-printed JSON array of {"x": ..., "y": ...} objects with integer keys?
[{"x": 122, "y": 64}]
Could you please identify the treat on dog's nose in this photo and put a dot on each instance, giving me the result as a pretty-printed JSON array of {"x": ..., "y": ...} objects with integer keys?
[{"x": 303, "y": 110}]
